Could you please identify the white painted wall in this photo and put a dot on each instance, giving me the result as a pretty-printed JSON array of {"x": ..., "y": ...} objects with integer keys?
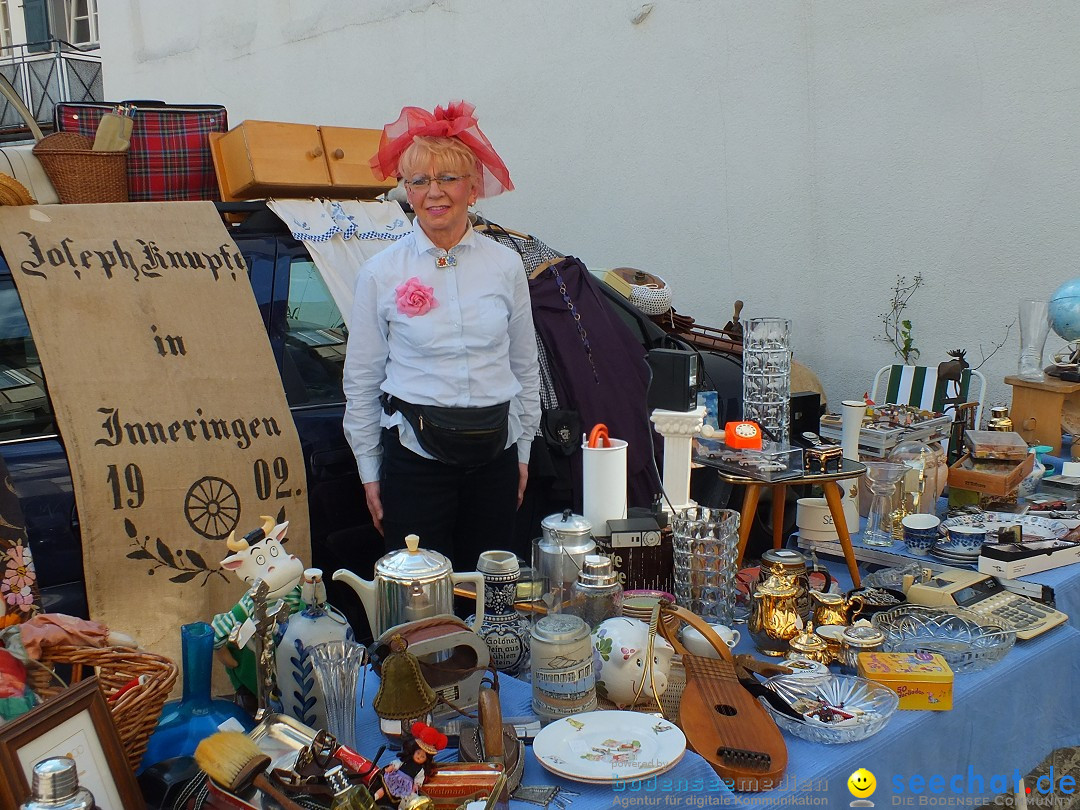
[{"x": 798, "y": 155}]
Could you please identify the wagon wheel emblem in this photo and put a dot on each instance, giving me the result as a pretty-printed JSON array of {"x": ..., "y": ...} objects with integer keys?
[{"x": 212, "y": 507}]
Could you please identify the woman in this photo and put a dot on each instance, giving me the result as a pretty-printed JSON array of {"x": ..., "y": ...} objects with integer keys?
[{"x": 442, "y": 335}]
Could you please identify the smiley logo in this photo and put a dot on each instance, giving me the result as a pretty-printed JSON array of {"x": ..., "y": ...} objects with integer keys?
[{"x": 862, "y": 783}]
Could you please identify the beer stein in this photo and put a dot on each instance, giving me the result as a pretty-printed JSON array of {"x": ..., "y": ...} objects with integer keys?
[{"x": 833, "y": 608}]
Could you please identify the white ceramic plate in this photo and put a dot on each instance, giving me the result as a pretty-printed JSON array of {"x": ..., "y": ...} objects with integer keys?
[
  {"x": 600, "y": 747},
  {"x": 1033, "y": 526}
]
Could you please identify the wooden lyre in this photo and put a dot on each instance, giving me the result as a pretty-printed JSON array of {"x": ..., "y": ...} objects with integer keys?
[{"x": 722, "y": 721}]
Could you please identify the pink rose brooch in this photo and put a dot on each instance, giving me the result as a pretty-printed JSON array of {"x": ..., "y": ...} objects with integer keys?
[{"x": 413, "y": 298}]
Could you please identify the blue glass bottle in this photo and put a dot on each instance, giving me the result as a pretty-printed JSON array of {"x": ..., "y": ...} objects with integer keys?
[{"x": 186, "y": 722}]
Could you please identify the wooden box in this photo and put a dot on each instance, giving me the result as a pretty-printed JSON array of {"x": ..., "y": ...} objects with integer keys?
[
  {"x": 990, "y": 477},
  {"x": 276, "y": 159},
  {"x": 922, "y": 681}
]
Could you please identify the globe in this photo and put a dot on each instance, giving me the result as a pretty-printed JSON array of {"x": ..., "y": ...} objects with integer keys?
[{"x": 1065, "y": 310}]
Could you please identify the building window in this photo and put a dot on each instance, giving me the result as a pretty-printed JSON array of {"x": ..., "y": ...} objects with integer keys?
[
  {"x": 82, "y": 22},
  {"x": 6, "y": 40}
]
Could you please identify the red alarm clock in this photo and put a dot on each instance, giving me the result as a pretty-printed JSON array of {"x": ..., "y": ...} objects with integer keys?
[{"x": 742, "y": 435}]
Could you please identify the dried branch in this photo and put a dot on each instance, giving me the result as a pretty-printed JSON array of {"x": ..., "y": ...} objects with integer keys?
[{"x": 998, "y": 345}]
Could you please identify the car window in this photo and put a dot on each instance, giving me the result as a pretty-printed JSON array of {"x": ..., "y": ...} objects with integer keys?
[
  {"x": 315, "y": 338},
  {"x": 25, "y": 411}
]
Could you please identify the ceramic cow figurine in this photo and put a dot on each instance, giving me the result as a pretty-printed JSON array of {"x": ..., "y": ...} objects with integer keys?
[{"x": 259, "y": 556}]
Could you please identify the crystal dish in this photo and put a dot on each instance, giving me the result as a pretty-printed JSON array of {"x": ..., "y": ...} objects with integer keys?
[
  {"x": 966, "y": 641},
  {"x": 872, "y": 703}
]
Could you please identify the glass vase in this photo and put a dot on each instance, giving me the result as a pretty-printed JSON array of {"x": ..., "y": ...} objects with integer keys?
[
  {"x": 1034, "y": 328},
  {"x": 767, "y": 375},
  {"x": 337, "y": 670},
  {"x": 883, "y": 477},
  {"x": 186, "y": 722},
  {"x": 706, "y": 545}
]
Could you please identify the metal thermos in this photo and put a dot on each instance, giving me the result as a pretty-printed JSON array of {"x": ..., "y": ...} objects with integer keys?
[
  {"x": 56, "y": 787},
  {"x": 557, "y": 557}
]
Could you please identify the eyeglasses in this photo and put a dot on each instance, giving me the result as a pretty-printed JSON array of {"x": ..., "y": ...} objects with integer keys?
[{"x": 444, "y": 181}]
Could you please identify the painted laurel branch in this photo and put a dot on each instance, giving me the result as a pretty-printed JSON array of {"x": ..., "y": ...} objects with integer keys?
[{"x": 187, "y": 563}]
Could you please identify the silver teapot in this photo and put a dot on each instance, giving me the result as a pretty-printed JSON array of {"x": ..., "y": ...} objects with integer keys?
[{"x": 411, "y": 583}]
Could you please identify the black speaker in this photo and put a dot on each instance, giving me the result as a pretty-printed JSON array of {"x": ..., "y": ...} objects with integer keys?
[
  {"x": 805, "y": 414},
  {"x": 674, "y": 384}
]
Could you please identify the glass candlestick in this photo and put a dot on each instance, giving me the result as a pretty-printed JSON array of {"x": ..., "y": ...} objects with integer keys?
[
  {"x": 883, "y": 477},
  {"x": 337, "y": 669}
]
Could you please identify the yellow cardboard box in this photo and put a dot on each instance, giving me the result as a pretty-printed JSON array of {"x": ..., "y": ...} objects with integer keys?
[{"x": 922, "y": 681}]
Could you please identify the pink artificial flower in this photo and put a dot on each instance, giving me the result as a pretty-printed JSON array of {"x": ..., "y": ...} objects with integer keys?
[
  {"x": 19, "y": 577},
  {"x": 413, "y": 298}
]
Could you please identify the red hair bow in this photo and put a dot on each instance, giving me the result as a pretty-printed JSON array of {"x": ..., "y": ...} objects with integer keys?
[{"x": 455, "y": 121}]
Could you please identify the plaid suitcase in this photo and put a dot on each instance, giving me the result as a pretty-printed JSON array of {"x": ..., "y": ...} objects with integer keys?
[{"x": 170, "y": 149}]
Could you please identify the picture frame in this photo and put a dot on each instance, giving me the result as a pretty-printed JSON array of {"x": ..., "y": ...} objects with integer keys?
[{"x": 76, "y": 723}]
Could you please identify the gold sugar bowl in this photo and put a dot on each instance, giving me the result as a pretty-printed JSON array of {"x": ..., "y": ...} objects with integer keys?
[{"x": 810, "y": 645}]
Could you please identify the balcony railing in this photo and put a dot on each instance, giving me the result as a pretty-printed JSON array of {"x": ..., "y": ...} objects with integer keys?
[{"x": 45, "y": 74}]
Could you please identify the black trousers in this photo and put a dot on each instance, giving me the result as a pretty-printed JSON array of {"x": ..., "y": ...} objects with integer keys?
[{"x": 459, "y": 511}]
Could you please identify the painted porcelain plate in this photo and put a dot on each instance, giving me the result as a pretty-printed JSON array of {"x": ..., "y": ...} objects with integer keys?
[
  {"x": 605, "y": 746},
  {"x": 1033, "y": 526}
]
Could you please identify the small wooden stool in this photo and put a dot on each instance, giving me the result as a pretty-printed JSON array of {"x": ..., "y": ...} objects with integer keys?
[{"x": 1040, "y": 406}]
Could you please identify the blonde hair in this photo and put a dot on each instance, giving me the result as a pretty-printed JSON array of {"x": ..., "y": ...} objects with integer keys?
[{"x": 449, "y": 154}]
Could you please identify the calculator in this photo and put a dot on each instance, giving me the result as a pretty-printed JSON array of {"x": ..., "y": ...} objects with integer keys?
[{"x": 987, "y": 597}]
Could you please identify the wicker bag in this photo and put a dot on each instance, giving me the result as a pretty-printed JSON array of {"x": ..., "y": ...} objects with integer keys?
[
  {"x": 80, "y": 174},
  {"x": 136, "y": 711}
]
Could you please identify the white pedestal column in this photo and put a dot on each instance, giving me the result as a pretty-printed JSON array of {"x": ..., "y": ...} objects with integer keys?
[{"x": 678, "y": 429}]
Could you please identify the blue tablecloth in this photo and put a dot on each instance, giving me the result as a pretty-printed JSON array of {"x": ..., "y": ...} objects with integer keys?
[
  {"x": 1064, "y": 580},
  {"x": 1005, "y": 720}
]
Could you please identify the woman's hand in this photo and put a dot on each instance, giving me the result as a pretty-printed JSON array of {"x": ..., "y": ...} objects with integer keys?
[
  {"x": 373, "y": 496},
  {"x": 523, "y": 479}
]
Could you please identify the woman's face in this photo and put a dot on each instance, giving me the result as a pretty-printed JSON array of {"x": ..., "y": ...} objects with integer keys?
[
  {"x": 419, "y": 756},
  {"x": 442, "y": 208}
]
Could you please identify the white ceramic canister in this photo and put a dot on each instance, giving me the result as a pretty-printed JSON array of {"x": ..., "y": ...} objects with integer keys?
[{"x": 563, "y": 680}]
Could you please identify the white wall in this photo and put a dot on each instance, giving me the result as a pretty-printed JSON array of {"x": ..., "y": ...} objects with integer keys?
[{"x": 798, "y": 155}]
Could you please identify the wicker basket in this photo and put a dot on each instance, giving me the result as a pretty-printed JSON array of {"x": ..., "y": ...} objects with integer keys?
[
  {"x": 79, "y": 174},
  {"x": 135, "y": 712},
  {"x": 669, "y": 701}
]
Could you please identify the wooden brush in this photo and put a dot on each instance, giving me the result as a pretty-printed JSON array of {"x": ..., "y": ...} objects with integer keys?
[{"x": 234, "y": 761}]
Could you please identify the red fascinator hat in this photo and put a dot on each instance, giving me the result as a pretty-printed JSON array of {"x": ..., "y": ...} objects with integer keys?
[
  {"x": 430, "y": 739},
  {"x": 456, "y": 120}
]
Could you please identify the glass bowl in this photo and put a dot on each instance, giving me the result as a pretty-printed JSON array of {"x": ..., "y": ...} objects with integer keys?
[
  {"x": 966, "y": 641},
  {"x": 873, "y": 704}
]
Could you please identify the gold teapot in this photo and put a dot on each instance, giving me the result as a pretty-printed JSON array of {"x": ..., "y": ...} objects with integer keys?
[
  {"x": 775, "y": 618},
  {"x": 833, "y": 608}
]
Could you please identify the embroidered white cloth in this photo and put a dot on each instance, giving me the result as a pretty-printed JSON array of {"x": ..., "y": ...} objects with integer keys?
[{"x": 341, "y": 235}]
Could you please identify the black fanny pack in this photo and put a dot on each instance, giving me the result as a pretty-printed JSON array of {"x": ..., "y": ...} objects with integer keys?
[{"x": 461, "y": 437}]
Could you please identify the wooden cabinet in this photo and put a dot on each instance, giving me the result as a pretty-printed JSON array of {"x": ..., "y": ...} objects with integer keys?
[{"x": 276, "y": 159}]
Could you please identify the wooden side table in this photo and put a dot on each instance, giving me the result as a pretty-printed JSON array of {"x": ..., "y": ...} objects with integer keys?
[
  {"x": 1038, "y": 407},
  {"x": 828, "y": 482}
]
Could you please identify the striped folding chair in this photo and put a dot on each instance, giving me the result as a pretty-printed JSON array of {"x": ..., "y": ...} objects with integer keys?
[{"x": 920, "y": 386}]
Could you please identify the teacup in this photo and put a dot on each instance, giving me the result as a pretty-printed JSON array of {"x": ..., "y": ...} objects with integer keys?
[
  {"x": 697, "y": 644},
  {"x": 965, "y": 538},
  {"x": 832, "y": 633},
  {"x": 920, "y": 532}
]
